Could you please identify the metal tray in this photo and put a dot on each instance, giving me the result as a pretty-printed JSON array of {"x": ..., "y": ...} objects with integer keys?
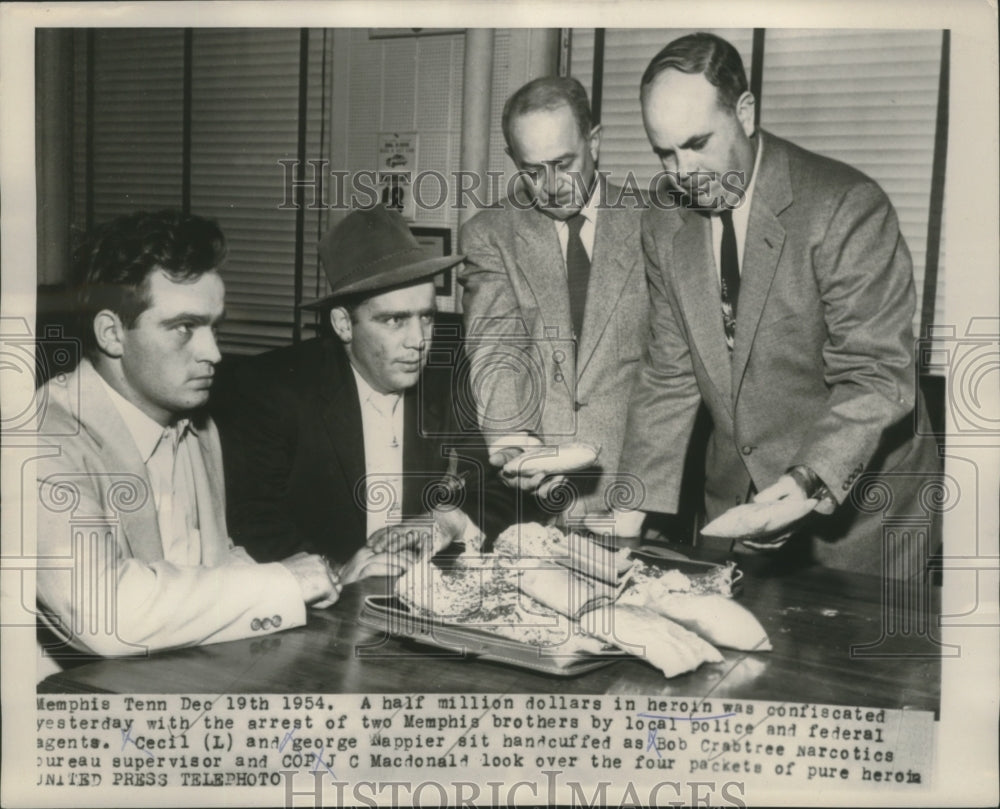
[
  {"x": 389, "y": 614},
  {"x": 671, "y": 560},
  {"x": 592, "y": 565}
]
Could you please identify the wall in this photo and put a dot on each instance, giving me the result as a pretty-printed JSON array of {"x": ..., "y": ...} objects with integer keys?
[{"x": 414, "y": 84}]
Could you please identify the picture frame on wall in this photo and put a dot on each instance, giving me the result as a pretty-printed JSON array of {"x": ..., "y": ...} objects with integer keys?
[{"x": 437, "y": 241}]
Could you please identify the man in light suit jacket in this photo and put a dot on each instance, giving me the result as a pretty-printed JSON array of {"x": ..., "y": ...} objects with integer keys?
[
  {"x": 555, "y": 301},
  {"x": 782, "y": 298},
  {"x": 332, "y": 443},
  {"x": 131, "y": 509}
]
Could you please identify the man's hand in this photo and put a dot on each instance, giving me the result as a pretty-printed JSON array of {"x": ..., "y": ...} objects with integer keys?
[
  {"x": 366, "y": 563},
  {"x": 539, "y": 483},
  {"x": 319, "y": 583},
  {"x": 505, "y": 449},
  {"x": 785, "y": 488},
  {"x": 410, "y": 534},
  {"x": 429, "y": 534},
  {"x": 788, "y": 487},
  {"x": 617, "y": 523}
]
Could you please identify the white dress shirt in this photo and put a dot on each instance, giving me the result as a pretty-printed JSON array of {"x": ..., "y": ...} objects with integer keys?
[
  {"x": 382, "y": 425},
  {"x": 166, "y": 452},
  {"x": 741, "y": 217},
  {"x": 589, "y": 213}
]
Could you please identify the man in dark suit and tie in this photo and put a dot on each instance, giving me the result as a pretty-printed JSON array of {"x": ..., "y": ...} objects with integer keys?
[
  {"x": 555, "y": 300},
  {"x": 782, "y": 298},
  {"x": 331, "y": 443}
]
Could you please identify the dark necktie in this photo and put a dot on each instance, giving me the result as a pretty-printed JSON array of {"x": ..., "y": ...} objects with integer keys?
[
  {"x": 577, "y": 273},
  {"x": 729, "y": 274}
]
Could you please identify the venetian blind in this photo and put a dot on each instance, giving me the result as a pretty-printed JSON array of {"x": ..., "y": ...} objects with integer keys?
[
  {"x": 245, "y": 119},
  {"x": 868, "y": 98},
  {"x": 80, "y": 96},
  {"x": 137, "y": 103}
]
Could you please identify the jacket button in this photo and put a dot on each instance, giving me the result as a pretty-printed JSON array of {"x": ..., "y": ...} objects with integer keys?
[
  {"x": 255, "y": 624},
  {"x": 276, "y": 622},
  {"x": 558, "y": 357},
  {"x": 557, "y": 376},
  {"x": 747, "y": 450},
  {"x": 265, "y": 623}
]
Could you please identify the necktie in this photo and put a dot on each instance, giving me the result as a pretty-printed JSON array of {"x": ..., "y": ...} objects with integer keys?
[
  {"x": 729, "y": 277},
  {"x": 185, "y": 542},
  {"x": 577, "y": 273}
]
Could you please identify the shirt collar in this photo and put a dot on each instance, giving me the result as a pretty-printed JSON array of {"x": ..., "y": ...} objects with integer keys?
[
  {"x": 145, "y": 431},
  {"x": 366, "y": 393},
  {"x": 748, "y": 194},
  {"x": 589, "y": 211}
]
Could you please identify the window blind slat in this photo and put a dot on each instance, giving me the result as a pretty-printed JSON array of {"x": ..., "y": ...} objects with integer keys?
[
  {"x": 244, "y": 109},
  {"x": 137, "y": 136},
  {"x": 868, "y": 98}
]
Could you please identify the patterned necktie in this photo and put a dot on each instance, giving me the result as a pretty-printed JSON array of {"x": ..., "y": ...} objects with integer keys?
[
  {"x": 729, "y": 274},
  {"x": 577, "y": 273}
]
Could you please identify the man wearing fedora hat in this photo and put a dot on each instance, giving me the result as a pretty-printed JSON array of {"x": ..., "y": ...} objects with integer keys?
[{"x": 329, "y": 442}]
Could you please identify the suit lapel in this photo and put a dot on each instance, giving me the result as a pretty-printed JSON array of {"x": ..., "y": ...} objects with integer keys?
[
  {"x": 341, "y": 417},
  {"x": 611, "y": 267},
  {"x": 540, "y": 263},
  {"x": 425, "y": 427},
  {"x": 414, "y": 454},
  {"x": 139, "y": 529},
  {"x": 210, "y": 495},
  {"x": 700, "y": 298},
  {"x": 765, "y": 238}
]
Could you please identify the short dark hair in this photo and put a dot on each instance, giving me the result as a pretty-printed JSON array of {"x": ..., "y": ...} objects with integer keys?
[
  {"x": 548, "y": 93},
  {"x": 713, "y": 57},
  {"x": 113, "y": 266}
]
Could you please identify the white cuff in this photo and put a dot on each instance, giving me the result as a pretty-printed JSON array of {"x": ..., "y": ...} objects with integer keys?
[{"x": 472, "y": 537}]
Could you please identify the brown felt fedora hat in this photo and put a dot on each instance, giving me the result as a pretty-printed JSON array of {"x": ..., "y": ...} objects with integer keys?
[{"x": 373, "y": 249}]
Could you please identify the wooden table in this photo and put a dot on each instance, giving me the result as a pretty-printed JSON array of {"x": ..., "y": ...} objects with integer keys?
[{"x": 813, "y": 618}]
